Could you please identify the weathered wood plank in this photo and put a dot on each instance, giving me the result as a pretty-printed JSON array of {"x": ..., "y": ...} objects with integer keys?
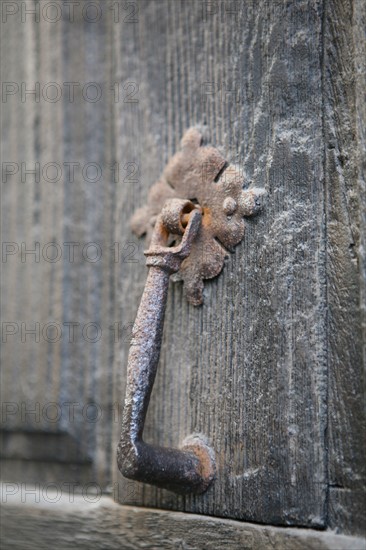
[
  {"x": 106, "y": 525},
  {"x": 345, "y": 120},
  {"x": 248, "y": 369},
  {"x": 72, "y": 373}
]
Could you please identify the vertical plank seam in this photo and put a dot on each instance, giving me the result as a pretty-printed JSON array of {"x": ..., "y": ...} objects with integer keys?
[{"x": 324, "y": 240}]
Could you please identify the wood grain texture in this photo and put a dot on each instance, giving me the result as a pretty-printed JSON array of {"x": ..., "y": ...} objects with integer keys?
[
  {"x": 271, "y": 368},
  {"x": 57, "y": 381},
  {"x": 345, "y": 120},
  {"x": 248, "y": 369},
  {"x": 106, "y": 525}
]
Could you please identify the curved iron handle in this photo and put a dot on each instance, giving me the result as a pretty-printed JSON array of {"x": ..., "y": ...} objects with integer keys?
[{"x": 191, "y": 468}]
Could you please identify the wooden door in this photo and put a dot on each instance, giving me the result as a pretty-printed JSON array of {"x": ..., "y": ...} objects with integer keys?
[{"x": 270, "y": 368}]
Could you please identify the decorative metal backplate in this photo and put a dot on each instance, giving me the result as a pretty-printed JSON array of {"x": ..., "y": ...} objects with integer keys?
[{"x": 201, "y": 174}]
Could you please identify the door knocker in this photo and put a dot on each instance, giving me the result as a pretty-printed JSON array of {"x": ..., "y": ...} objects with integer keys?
[{"x": 193, "y": 217}]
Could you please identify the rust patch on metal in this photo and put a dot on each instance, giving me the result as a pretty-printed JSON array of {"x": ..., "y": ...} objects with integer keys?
[{"x": 201, "y": 174}]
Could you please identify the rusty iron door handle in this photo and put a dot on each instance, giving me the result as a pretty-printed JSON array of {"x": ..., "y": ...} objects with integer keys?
[
  {"x": 207, "y": 233},
  {"x": 189, "y": 469}
]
